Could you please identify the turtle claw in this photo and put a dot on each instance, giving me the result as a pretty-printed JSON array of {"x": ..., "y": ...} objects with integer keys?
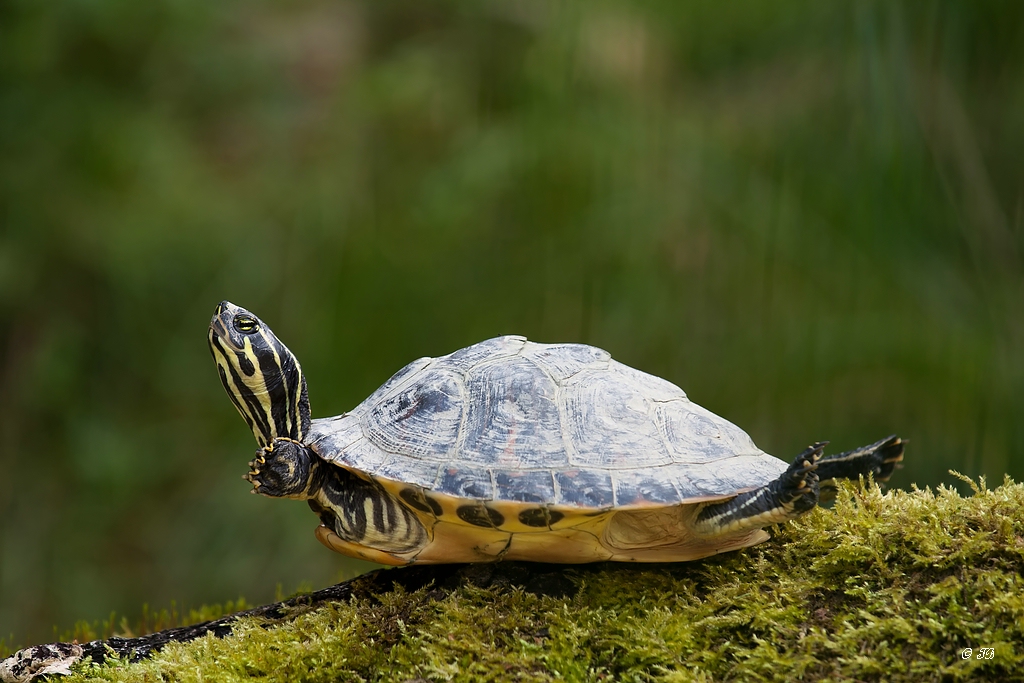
[
  {"x": 800, "y": 482},
  {"x": 252, "y": 476},
  {"x": 281, "y": 469}
]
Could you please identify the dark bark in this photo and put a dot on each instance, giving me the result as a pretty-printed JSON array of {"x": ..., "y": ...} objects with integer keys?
[{"x": 536, "y": 578}]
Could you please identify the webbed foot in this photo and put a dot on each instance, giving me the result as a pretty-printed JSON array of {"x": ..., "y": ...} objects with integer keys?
[
  {"x": 797, "y": 488},
  {"x": 284, "y": 469},
  {"x": 879, "y": 459}
]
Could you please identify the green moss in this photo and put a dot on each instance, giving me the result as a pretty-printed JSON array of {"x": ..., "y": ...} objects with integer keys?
[{"x": 881, "y": 587}]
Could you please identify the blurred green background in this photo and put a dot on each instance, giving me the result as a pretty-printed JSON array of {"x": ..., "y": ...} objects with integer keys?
[{"x": 808, "y": 215}]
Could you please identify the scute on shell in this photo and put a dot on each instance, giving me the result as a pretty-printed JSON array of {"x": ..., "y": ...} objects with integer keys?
[{"x": 556, "y": 424}]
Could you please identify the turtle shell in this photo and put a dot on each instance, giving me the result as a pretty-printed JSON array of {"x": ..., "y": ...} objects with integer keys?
[{"x": 562, "y": 425}]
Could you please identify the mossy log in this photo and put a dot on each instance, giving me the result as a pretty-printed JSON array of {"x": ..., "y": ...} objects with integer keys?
[{"x": 882, "y": 587}]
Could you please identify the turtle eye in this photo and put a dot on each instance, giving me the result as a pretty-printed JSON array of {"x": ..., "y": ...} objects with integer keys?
[{"x": 245, "y": 323}]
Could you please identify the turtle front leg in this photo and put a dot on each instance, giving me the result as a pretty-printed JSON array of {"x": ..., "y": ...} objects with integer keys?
[
  {"x": 791, "y": 495},
  {"x": 285, "y": 469}
]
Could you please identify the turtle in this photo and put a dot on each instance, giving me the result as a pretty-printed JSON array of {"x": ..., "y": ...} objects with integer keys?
[{"x": 515, "y": 450}]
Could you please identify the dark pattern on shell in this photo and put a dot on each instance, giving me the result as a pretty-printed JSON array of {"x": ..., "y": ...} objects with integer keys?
[
  {"x": 418, "y": 500},
  {"x": 480, "y": 515},
  {"x": 540, "y": 517}
]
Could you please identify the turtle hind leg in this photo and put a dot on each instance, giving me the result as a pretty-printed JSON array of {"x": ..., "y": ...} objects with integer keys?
[
  {"x": 791, "y": 495},
  {"x": 361, "y": 552},
  {"x": 879, "y": 459}
]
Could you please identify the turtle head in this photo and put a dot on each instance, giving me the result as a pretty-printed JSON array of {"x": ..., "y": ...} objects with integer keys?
[{"x": 262, "y": 377}]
